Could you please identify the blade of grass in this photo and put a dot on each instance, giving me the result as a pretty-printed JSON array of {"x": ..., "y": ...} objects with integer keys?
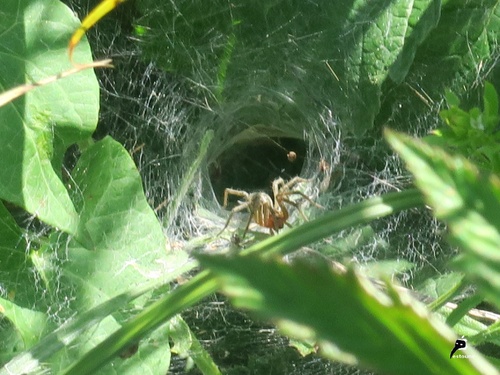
[{"x": 324, "y": 226}]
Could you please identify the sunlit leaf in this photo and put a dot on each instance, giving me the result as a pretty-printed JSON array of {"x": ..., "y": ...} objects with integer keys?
[
  {"x": 37, "y": 127},
  {"x": 467, "y": 200},
  {"x": 349, "y": 319}
]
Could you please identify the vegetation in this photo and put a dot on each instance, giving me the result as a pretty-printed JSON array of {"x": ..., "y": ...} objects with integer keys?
[{"x": 88, "y": 280}]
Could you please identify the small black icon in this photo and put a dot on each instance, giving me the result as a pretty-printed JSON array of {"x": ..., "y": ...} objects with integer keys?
[{"x": 460, "y": 344}]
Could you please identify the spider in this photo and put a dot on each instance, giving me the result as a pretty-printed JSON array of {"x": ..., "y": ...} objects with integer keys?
[{"x": 263, "y": 210}]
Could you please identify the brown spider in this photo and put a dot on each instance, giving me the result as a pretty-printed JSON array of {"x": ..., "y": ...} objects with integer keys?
[{"x": 263, "y": 210}]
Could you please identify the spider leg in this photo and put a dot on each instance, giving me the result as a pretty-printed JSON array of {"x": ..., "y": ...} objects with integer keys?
[
  {"x": 238, "y": 208},
  {"x": 294, "y": 181},
  {"x": 247, "y": 226},
  {"x": 294, "y": 204},
  {"x": 296, "y": 192},
  {"x": 237, "y": 193},
  {"x": 280, "y": 188}
]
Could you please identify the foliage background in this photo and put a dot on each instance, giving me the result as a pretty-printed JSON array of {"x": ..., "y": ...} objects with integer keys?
[{"x": 268, "y": 77}]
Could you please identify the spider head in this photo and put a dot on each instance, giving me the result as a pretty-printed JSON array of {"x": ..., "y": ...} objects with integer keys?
[{"x": 277, "y": 221}]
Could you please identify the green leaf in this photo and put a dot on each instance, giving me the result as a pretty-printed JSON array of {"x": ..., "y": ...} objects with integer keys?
[
  {"x": 383, "y": 39},
  {"x": 345, "y": 314},
  {"x": 186, "y": 344},
  {"x": 65, "y": 335},
  {"x": 442, "y": 288},
  {"x": 419, "y": 18},
  {"x": 474, "y": 133},
  {"x": 180, "y": 334},
  {"x": 452, "y": 99},
  {"x": 152, "y": 356},
  {"x": 120, "y": 240},
  {"x": 468, "y": 201},
  {"x": 462, "y": 309},
  {"x": 151, "y": 317},
  {"x": 38, "y": 127},
  {"x": 119, "y": 245},
  {"x": 458, "y": 50},
  {"x": 465, "y": 325},
  {"x": 30, "y": 324}
]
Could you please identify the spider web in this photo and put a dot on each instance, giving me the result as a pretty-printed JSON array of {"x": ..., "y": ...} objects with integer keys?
[{"x": 161, "y": 117}]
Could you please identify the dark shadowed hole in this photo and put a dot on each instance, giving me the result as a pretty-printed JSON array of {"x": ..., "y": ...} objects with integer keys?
[{"x": 253, "y": 165}]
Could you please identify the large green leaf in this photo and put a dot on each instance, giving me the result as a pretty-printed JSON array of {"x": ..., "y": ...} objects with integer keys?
[
  {"x": 120, "y": 241},
  {"x": 121, "y": 253},
  {"x": 119, "y": 244},
  {"x": 381, "y": 39},
  {"x": 38, "y": 127},
  {"x": 467, "y": 200},
  {"x": 114, "y": 213},
  {"x": 348, "y": 318}
]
